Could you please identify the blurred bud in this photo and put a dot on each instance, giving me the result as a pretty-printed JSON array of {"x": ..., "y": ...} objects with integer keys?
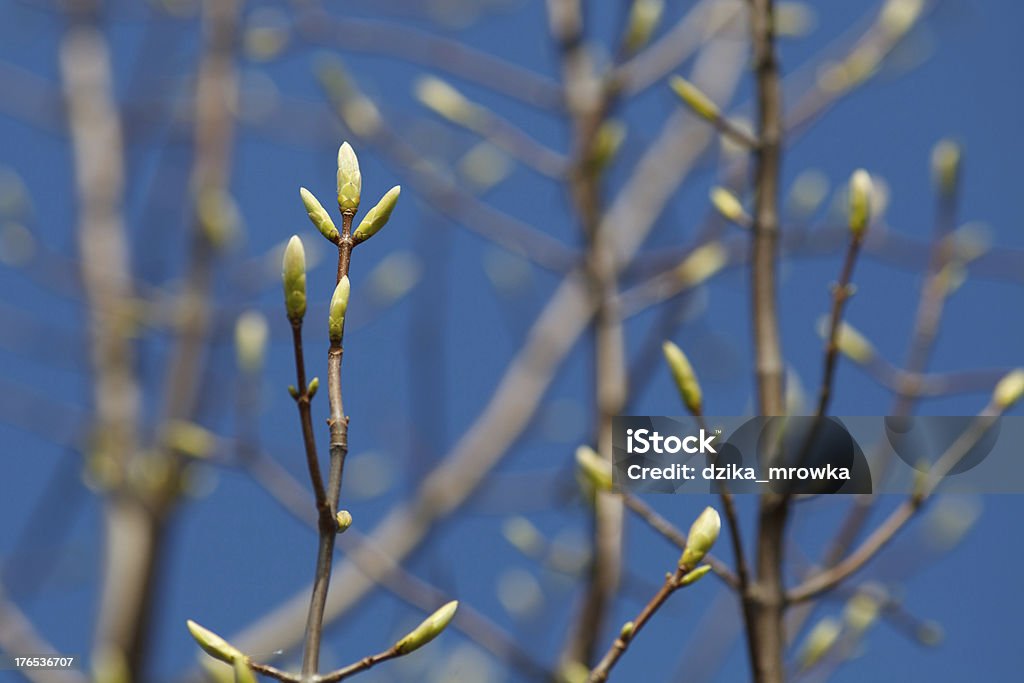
[
  {"x": 793, "y": 19},
  {"x": 929, "y": 633},
  {"x": 850, "y": 341},
  {"x": 109, "y": 665},
  {"x": 862, "y": 610},
  {"x": 350, "y": 180},
  {"x": 819, "y": 641},
  {"x": 607, "y": 141},
  {"x": 1009, "y": 389},
  {"x": 312, "y": 387},
  {"x": 685, "y": 377},
  {"x": 644, "y": 16},
  {"x": 573, "y": 672},
  {"x": 218, "y": 216},
  {"x": 251, "y": 341},
  {"x": 946, "y": 157},
  {"x": 627, "y": 630},
  {"x": 445, "y": 101},
  {"x": 728, "y": 204},
  {"x": 431, "y": 628},
  {"x": 190, "y": 439},
  {"x": 702, "y": 536},
  {"x": 339, "y": 306},
  {"x": 809, "y": 190},
  {"x": 594, "y": 468},
  {"x": 860, "y": 202},
  {"x": 898, "y": 16},
  {"x": 701, "y": 263},
  {"x": 344, "y": 520},
  {"x": 695, "y": 99},
  {"x": 378, "y": 216},
  {"x": 523, "y": 536},
  {"x": 318, "y": 215},
  {"x": 293, "y": 392},
  {"x": 243, "y": 674},
  {"x": 214, "y": 645},
  {"x": 293, "y": 274},
  {"x": 695, "y": 576}
]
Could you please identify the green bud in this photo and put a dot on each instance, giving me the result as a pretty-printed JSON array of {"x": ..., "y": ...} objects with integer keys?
[
  {"x": 728, "y": 204},
  {"x": 293, "y": 392},
  {"x": 898, "y": 16},
  {"x": 523, "y": 535},
  {"x": 378, "y": 216},
  {"x": 644, "y": 16},
  {"x": 350, "y": 180},
  {"x": 251, "y": 341},
  {"x": 431, "y": 628},
  {"x": 214, "y": 645},
  {"x": 344, "y": 520},
  {"x": 318, "y": 215},
  {"x": 694, "y": 98},
  {"x": 860, "y": 202},
  {"x": 627, "y": 629},
  {"x": 594, "y": 468},
  {"x": 1009, "y": 389},
  {"x": 685, "y": 377},
  {"x": 946, "y": 156},
  {"x": 293, "y": 274},
  {"x": 695, "y": 576},
  {"x": 243, "y": 674},
  {"x": 339, "y": 305},
  {"x": 702, "y": 536},
  {"x": 313, "y": 385}
]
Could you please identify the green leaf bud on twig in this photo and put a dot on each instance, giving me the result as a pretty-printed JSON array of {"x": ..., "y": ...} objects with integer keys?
[
  {"x": 644, "y": 16},
  {"x": 702, "y": 536},
  {"x": 728, "y": 204},
  {"x": 251, "y": 334},
  {"x": 293, "y": 274},
  {"x": 293, "y": 392},
  {"x": 594, "y": 468},
  {"x": 378, "y": 216},
  {"x": 1009, "y": 389},
  {"x": 627, "y": 630},
  {"x": 344, "y": 520},
  {"x": 318, "y": 215},
  {"x": 694, "y": 98},
  {"x": 431, "y": 628},
  {"x": 339, "y": 306},
  {"x": 685, "y": 377},
  {"x": 819, "y": 641},
  {"x": 214, "y": 645},
  {"x": 702, "y": 263},
  {"x": 695, "y": 576},
  {"x": 860, "y": 202},
  {"x": 350, "y": 180},
  {"x": 312, "y": 387},
  {"x": 946, "y": 157},
  {"x": 243, "y": 674}
]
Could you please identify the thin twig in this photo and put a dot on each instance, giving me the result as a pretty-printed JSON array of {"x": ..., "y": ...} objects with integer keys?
[
  {"x": 829, "y": 578},
  {"x": 673, "y": 582}
]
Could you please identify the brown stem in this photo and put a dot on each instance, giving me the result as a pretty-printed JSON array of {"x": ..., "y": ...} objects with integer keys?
[
  {"x": 673, "y": 582},
  {"x": 338, "y": 424},
  {"x": 358, "y": 667},
  {"x": 840, "y": 296},
  {"x": 302, "y": 402}
]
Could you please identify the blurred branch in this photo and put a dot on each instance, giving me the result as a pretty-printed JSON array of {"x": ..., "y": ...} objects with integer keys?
[{"x": 424, "y": 49}]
